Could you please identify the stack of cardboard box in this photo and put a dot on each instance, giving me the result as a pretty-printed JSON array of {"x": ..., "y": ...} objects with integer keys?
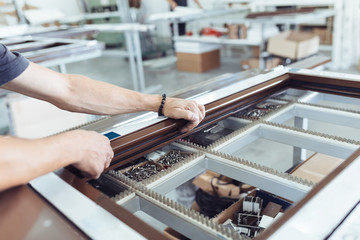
[
  {"x": 236, "y": 31},
  {"x": 325, "y": 35},
  {"x": 233, "y": 32},
  {"x": 197, "y": 57}
]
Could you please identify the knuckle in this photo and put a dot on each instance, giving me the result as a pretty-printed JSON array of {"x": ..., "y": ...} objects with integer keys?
[
  {"x": 189, "y": 116},
  {"x": 194, "y": 117}
]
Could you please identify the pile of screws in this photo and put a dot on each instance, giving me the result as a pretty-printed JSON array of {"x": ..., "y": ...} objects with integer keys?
[
  {"x": 260, "y": 111},
  {"x": 269, "y": 106},
  {"x": 143, "y": 172},
  {"x": 172, "y": 157},
  {"x": 256, "y": 114}
]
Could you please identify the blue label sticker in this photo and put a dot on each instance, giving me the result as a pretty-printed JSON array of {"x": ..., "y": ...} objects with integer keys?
[{"x": 111, "y": 135}]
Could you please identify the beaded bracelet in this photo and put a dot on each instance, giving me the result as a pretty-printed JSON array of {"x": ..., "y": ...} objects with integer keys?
[{"x": 160, "y": 112}]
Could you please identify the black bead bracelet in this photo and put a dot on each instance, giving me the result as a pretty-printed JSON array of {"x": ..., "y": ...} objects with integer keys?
[{"x": 160, "y": 112}]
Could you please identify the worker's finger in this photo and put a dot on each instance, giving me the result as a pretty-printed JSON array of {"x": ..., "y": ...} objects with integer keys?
[
  {"x": 202, "y": 110},
  {"x": 108, "y": 159},
  {"x": 192, "y": 116}
]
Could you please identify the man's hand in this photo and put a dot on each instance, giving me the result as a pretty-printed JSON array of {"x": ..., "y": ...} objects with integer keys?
[
  {"x": 184, "y": 109},
  {"x": 173, "y": 4},
  {"x": 93, "y": 152},
  {"x": 90, "y": 152}
]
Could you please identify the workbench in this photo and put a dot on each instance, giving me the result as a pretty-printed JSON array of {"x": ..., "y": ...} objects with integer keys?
[{"x": 109, "y": 206}]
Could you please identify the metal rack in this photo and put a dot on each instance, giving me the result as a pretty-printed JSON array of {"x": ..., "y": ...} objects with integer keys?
[
  {"x": 263, "y": 21},
  {"x": 178, "y": 17}
]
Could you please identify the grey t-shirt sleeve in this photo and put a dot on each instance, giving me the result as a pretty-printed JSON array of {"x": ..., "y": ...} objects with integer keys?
[{"x": 12, "y": 64}]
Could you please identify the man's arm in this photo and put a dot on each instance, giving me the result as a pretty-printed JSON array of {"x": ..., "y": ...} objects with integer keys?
[
  {"x": 78, "y": 93},
  {"x": 22, "y": 160},
  {"x": 173, "y": 4},
  {"x": 198, "y": 3}
]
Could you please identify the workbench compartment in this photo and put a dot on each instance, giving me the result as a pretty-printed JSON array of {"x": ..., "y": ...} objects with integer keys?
[
  {"x": 161, "y": 216},
  {"x": 260, "y": 110},
  {"x": 107, "y": 187},
  {"x": 325, "y": 120},
  {"x": 156, "y": 162},
  {"x": 214, "y": 132},
  {"x": 319, "y": 98},
  {"x": 260, "y": 144},
  {"x": 232, "y": 169}
]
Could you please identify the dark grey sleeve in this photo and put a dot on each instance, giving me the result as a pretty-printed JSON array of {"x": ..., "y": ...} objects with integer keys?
[{"x": 12, "y": 64}]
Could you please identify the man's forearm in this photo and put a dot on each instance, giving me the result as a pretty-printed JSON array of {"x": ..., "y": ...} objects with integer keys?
[
  {"x": 22, "y": 160},
  {"x": 172, "y": 3},
  {"x": 90, "y": 96},
  {"x": 78, "y": 93},
  {"x": 198, "y": 3}
]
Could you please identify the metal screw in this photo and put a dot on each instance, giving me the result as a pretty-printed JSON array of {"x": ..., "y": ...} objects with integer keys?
[
  {"x": 143, "y": 172},
  {"x": 172, "y": 157}
]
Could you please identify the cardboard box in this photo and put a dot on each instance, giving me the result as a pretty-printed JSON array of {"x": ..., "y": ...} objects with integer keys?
[
  {"x": 317, "y": 167},
  {"x": 325, "y": 35},
  {"x": 236, "y": 31},
  {"x": 201, "y": 62},
  {"x": 233, "y": 31},
  {"x": 195, "y": 207},
  {"x": 243, "y": 31},
  {"x": 294, "y": 45},
  {"x": 229, "y": 212},
  {"x": 256, "y": 52},
  {"x": 135, "y": 3},
  {"x": 255, "y": 63}
]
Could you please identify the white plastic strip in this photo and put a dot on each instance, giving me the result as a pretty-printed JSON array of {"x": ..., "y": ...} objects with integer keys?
[
  {"x": 325, "y": 210},
  {"x": 314, "y": 73},
  {"x": 84, "y": 213},
  {"x": 350, "y": 227}
]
